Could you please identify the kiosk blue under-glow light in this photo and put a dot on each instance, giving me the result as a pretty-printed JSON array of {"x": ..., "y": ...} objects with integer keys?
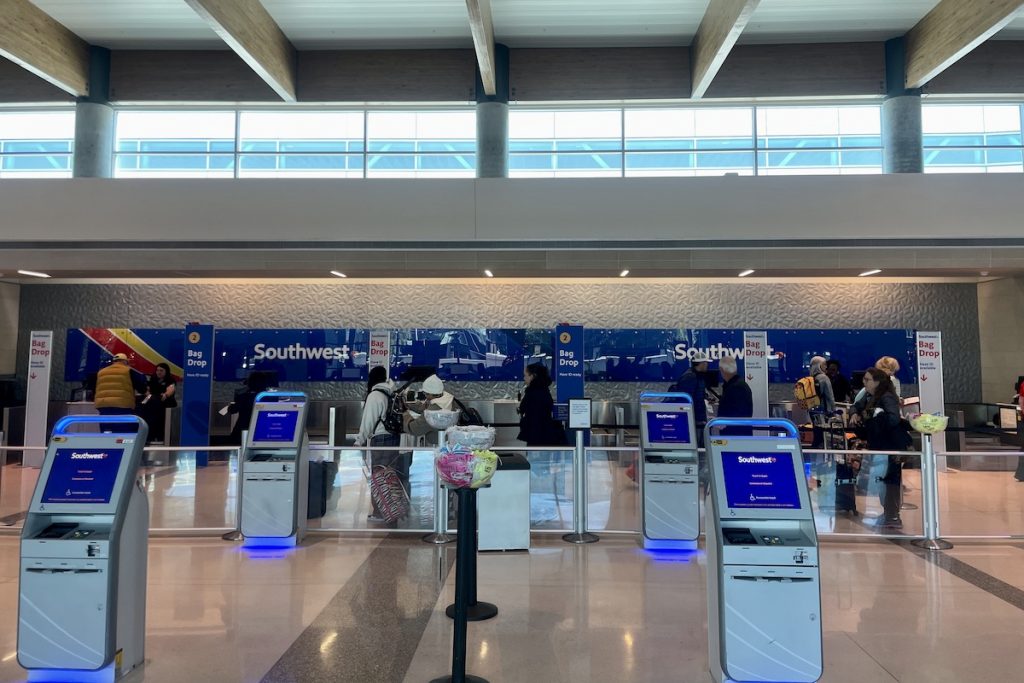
[
  {"x": 275, "y": 426},
  {"x": 760, "y": 481},
  {"x": 668, "y": 427},
  {"x": 82, "y": 475}
]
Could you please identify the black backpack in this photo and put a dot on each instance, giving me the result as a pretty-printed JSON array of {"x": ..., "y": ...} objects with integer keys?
[
  {"x": 468, "y": 416},
  {"x": 393, "y": 414}
]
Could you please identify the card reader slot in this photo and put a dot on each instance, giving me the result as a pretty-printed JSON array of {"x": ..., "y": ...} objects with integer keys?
[
  {"x": 49, "y": 570},
  {"x": 774, "y": 579}
]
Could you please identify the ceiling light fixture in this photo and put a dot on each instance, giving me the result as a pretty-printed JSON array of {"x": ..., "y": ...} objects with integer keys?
[
  {"x": 488, "y": 273},
  {"x": 746, "y": 273},
  {"x": 338, "y": 273},
  {"x": 876, "y": 271},
  {"x": 32, "y": 273},
  {"x": 624, "y": 273}
]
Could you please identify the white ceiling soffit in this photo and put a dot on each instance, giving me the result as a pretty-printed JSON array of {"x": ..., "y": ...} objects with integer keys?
[
  {"x": 378, "y": 24},
  {"x": 833, "y": 21},
  {"x": 596, "y": 23},
  {"x": 134, "y": 25}
]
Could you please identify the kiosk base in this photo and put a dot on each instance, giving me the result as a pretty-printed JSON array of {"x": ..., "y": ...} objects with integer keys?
[
  {"x": 478, "y": 611},
  {"x": 666, "y": 544},
  {"x": 107, "y": 674},
  {"x": 270, "y": 542}
]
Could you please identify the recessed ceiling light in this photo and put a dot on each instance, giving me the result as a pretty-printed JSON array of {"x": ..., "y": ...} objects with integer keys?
[
  {"x": 32, "y": 273},
  {"x": 338, "y": 273},
  {"x": 984, "y": 273},
  {"x": 876, "y": 271},
  {"x": 624, "y": 273},
  {"x": 488, "y": 273},
  {"x": 746, "y": 273}
]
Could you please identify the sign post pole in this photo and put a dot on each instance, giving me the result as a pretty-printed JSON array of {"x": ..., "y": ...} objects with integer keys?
[
  {"x": 37, "y": 399},
  {"x": 196, "y": 389},
  {"x": 755, "y": 369},
  {"x": 579, "y": 422}
]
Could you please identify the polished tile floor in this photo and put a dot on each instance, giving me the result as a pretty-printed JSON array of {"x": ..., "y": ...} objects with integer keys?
[{"x": 361, "y": 609}]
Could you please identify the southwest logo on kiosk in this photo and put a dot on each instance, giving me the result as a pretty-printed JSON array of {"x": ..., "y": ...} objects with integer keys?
[{"x": 754, "y": 460}]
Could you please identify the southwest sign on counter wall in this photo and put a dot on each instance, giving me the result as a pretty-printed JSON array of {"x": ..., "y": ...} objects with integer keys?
[{"x": 484, "y": 354}]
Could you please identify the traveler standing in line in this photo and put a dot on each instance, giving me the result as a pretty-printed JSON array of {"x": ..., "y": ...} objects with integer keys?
[
  {"x": 1018, "y": 390},
  {"x": 159, "y": 397},
  {"x": 737, "y": 399},
  {"x": 840, "y": 385},
  {"x": 116, "y": 391},
  {"x": 827, "y": 407},
  {"x": 692, "y": 382},
  {"x": 372, "y": 432},
  {"x": 891, "y": 366},
  {"x": 436, "y": 399},
  {"x": 877, "y": 414},
  {"x": 537, "y": 425}
]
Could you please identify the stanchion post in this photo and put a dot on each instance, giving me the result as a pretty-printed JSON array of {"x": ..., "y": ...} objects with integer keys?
[
  {"x": 236, "y": 535},
  {"x": 579, "y": 503},
  {"x": 477, "y": 610},
  {"x": 930, "y": 498},
  {"x": 464, "y": 559},
  {"x": 440, "y": 535}
]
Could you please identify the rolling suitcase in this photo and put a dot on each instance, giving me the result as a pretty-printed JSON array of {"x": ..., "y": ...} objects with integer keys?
[{"x": 317, "y": 507}]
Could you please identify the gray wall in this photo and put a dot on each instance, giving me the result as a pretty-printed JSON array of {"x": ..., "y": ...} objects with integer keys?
[
  {"x": 1001, "y": 328},
  {"x": 950, "y": 308},
  {"x": 9, "y": 297}
]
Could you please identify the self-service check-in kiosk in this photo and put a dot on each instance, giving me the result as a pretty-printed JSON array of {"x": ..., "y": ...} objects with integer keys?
[
  {"x": 764, "y": 601},
  {"x": 669, "y": 477},
  {"x": 275, "y": 471},
  {"x": 82, "y": 592}
]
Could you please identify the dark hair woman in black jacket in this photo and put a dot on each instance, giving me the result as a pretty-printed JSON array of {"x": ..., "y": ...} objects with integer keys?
[
  {"x": 878, "y": 414},
  {"x": 537, "y": 426}
]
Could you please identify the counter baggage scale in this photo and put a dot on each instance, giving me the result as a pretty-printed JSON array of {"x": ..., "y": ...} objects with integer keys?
[
  {"x": 764, "y": 600},
  {"x": 275, "y": 471},
  {"x": 82, "y": 591},
  {"x": 668, "y": 476}
]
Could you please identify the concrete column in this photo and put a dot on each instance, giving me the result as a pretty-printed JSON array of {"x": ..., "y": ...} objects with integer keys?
[
  {"x": 94, "y": 121},
  {"x": 491, "y": 140},
  {"x": 94, "y": 140},
  {"x": 902, "y": 141},
  {"x": 492, "y": 120}
]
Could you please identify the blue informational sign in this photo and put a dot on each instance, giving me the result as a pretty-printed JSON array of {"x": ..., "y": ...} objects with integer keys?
[
  {"x": 197, "y": 388},
  {"x": 760, "y": 481},
  {"x": 294, "y": 355},
  {"x": 569, "y": 365},
  {"x": 80, "y": 475},
  {"x": 275, "y": 425},
  {"x": 670, "y": 427}
]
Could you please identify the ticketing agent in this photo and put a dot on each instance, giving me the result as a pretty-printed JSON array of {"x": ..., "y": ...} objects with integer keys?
[
  {"x": 82, "y": 590},
  {"x": 764, "y": 600}
]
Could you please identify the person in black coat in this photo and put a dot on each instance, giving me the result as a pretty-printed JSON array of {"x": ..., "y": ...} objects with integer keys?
[
  {"x": 877, "y": 416},
  {"x": 737, "y": 399},
  {"x": 537, "y": 426}
]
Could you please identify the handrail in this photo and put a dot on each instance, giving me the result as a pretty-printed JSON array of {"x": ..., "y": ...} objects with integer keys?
[
  {"x": 667, "y": 394},
  {"x": 827, "y": 451},
  {"x": 755, "y": 423},
  {"x": 62, "y": 424},
  {"x": 986, "y": 454}
]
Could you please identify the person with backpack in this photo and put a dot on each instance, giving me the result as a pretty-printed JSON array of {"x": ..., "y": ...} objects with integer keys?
[
  {"x": 814, "y": 393},
  {"x": 374, "y": 431},
  {"x": 877, "y": 416}
]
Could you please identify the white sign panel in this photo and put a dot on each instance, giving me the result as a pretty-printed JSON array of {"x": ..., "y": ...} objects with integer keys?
[
  {"x": 579, "y": 413},
  {"x": 380, "y": 350},
  {"x": 755, "y": 369},
  {"x": 37, "y": 399},
  {"x": 929, "y": 379}
]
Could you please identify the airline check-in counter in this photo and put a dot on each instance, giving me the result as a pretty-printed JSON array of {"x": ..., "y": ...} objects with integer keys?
[
  {"x": 764, "y": 599},
  {"x": 669, "y": 472},
  {"x": 275, "y": 471},
  {"x": 82, "y": 591}
]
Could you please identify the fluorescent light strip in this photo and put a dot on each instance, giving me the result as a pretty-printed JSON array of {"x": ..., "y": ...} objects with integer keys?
[
  {"x": 32, "y": 273},
  {"x": 338, "y": 273},
  {"x": 876, "y": 271},
  {"x": 746, "y": 273},
  {"x": 624, "y": 273},
  {"x": 488, "y": 273}
]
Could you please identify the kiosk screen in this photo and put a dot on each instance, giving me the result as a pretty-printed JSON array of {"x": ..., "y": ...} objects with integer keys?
[
  {"x": 668, "y": 428},
  {"x": 275, "y": 426},
  {"x": 82, "y": 475},
  {"x": 761, "y": 481}
]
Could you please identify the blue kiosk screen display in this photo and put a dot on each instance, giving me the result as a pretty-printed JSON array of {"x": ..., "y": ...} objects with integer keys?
[
  {"x": 275, "y": 426},
  {"x": 668, "y": 427},
  {"x": 760, "y": 481},
  {"x": 80, "y": 475}
]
